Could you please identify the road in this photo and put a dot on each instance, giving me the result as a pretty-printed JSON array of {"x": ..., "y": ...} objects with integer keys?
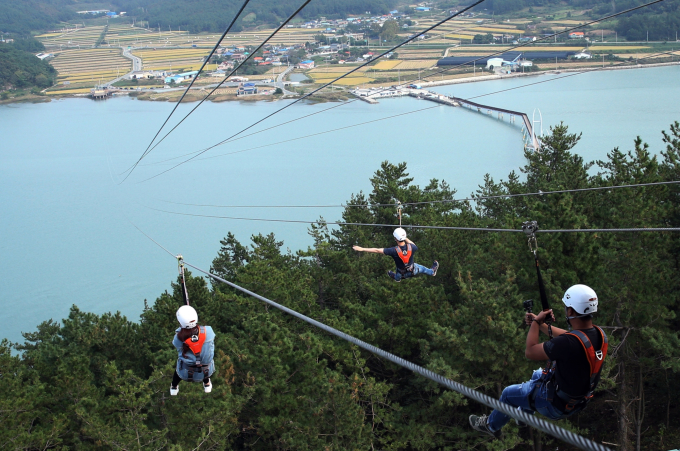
[
  {"x": 279, "y": 81},
  {"x": 136, "y": 65}
]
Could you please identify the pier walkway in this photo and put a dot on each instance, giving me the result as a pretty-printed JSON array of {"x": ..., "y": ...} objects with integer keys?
[
  {"x": 528, "y": 126},
  {"x": 370, "y": 95}
]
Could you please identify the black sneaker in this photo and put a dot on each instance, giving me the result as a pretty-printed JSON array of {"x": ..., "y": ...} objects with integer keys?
[
  {"x": 480, "y": 423},
  {"x": 393, "y": 276},
  {"x": 435, "y": 267}
]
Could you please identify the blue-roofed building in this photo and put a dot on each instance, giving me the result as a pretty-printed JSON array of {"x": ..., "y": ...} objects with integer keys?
[
  {"x": 245, "y": 89},
  {"x": 178, "y": 78}
]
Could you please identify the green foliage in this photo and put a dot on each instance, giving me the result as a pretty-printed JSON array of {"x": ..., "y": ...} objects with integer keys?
[
  {"x": 29, "y": 15},
  {"x": 101, "y": 381},
  {"x": 21, "y": 69},
  {"x": 215, "y": 15},
  {"x": 28, "y": 44},
  {"x": 483, "y": 39}
]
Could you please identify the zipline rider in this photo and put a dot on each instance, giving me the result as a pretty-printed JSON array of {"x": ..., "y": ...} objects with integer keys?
[
  {"x": 569, "y": 381},
  {"x": 403, "y": 255},
  {"x": 195, "y": 346}
]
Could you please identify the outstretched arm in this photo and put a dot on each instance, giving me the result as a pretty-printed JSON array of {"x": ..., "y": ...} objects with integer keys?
[{"x": 374, "y": 250}]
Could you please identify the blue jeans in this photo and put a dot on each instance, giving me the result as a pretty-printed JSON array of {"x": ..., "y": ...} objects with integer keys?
[
  {"x": 417, "y": 269},
  {"x": 518, "y": 396}
]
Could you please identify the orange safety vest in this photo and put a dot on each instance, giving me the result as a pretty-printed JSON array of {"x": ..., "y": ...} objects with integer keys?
[
  {"x": 595, "y": 360},
  {"x": 405, "y": 255},
  {"x": 195, "y": 342}
]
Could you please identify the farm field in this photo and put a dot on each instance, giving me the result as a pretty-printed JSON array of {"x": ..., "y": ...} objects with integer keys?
[
  {"x": 83, "y": 37},
  {"x": 90, "y": 65},
  {"x": 416, "y": 64},
  {"x": 387, "y": 64}
]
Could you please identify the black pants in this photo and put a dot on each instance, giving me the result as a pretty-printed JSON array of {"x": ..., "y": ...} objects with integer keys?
[{"x": 176, "y": 379}]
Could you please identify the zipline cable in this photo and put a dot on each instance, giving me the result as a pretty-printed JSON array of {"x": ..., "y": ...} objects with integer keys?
[
  {"x": 283, "y": 24},
  {"x": 199, "y": 152},
  {"x": 207, "y": 60},
  {"x": 332, "y": 223},
  {"x": 584, "y": 71},
  {"x": 538, "y": 423},
  {"x": 322, "y": 87},
  {"x": 474, "y": 199},
  {"x": 185, "y": 292},
  {"x": 412, "y": 226},
  {"x": 313, "y": 134}
]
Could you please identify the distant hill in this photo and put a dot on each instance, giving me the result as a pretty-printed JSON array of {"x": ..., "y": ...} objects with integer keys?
[
  {"x": 215, "y": 15},
  {"x": 22, "y": 17}
]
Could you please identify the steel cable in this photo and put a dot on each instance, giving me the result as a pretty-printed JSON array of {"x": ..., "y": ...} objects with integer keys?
[
  {"x": 584, "y": 71},
  {"x": 207, "y": 60},
  {"x": 283, "y": 24},
  {"x": 429, "y": 202},
  {"x": 320, "y": 88},
  {"x": 200, "y": 152},
  {"x": 538, "y": 423},
  {"x": 413, "y": 226}
]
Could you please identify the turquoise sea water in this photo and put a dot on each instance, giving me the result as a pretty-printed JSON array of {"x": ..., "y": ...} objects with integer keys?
[{"x": 66, "y": 235}]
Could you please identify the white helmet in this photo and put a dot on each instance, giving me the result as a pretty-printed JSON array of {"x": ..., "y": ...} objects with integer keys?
[
  {"x": 581, "y": 298},
  {"x": 187, "y": 317},
  {"x": 399, "y": 234}
]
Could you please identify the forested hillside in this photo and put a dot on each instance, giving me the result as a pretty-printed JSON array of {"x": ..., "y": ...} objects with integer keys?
[
  {"x": 662, "y": 21},
  {"x": 215, "y": 15},
  {"x": 24, "y": 16},
  {"x": 20, "y": 68},
  {"x": 101, "y": 382}
]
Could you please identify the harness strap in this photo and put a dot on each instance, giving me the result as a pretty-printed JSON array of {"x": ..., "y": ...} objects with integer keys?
[{"x": 595, "y": 361}]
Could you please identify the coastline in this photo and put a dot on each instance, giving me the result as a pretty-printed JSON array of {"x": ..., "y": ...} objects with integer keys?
[
  {"x": 159, "y": 96},
  {"x": 534, "y": 74}
]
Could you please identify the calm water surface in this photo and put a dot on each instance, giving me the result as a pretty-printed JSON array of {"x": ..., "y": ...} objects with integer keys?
[{"x": 66, "y": 235}]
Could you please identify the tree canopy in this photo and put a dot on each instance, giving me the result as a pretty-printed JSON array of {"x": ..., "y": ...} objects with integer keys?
[
  {"x": 22, "y": 69},
  {"x": 101, "y": 381},
  {"x": 29, "y": 15},
  {"x": 215, "y": 15}
]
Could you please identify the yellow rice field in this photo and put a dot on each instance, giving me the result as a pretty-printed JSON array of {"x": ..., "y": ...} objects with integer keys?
[
  {"x": 597, "y": 48},
  {"x": 416, "y": 64},
  {"x": 387, "y": 65},
  {"x": 69, "y": 91},
  {"x": 348, "y": 81},
  {"x": 499, "y": 30}
]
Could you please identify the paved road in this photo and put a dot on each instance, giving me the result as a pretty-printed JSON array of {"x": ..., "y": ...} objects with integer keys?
[
  {"x": 136, "y": 65},
  {"x": 136, "y": 61},
  {"x": 279, "y": 81}
]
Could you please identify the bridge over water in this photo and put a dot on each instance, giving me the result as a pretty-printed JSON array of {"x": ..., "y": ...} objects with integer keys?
[{"x": 529, "y": 135}]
